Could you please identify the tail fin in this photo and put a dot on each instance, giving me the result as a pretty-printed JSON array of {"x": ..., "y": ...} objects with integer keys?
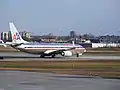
[{"x": 16, "y": 37}]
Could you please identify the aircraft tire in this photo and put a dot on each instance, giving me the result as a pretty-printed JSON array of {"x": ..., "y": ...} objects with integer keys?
[
  {"x": 42, "y": 56},
  {"x": 77, "y": 54},
  {"x": 53, "y": 55}
]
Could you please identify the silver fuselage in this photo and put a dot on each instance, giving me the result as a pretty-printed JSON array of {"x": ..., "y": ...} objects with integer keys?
[{"x": 41, "y": 48}]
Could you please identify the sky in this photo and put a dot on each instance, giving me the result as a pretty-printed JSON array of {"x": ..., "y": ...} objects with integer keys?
[{"x": 59, "y": 17}]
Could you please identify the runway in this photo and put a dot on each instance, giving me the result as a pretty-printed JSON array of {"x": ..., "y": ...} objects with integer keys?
[
  {"x": 25, "y": 56},
  {"x": 19, "y": 80}
]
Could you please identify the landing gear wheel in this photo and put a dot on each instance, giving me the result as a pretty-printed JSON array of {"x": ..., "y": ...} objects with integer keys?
[
  {"x": 77, "y": 54},
  {"x": 42, "y": 56},
  {"x": 53, "y": 55}
]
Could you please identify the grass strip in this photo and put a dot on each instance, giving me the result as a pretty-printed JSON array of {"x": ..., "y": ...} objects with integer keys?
[{"x": 102, "y": 68}]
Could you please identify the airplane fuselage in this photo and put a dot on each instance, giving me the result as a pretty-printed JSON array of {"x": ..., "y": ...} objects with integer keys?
[
  {"x": 43, "y": 49},
  {"x": 47, "y": 49}
]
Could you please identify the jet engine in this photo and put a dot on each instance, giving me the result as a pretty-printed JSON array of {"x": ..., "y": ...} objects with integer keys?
[{"x": 66, "y": 53}]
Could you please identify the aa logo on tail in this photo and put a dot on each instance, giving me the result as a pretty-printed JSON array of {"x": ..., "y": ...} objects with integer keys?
[{"x": 16, "y": 36}]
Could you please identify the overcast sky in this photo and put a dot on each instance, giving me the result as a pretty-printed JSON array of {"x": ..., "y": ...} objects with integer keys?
[{"x": 98, "y": 17}]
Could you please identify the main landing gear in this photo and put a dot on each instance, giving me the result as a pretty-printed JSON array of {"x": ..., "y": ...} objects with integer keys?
[
  {"x": 53, "y": 55},
  {"x": 43, "y": 56},
  {"x": 77, "y": 55}
]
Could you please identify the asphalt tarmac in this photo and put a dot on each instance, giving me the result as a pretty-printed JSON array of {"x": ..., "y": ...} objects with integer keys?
[
  {"x": 19, "y": 80},
  {"x": 25, "y": 56}
]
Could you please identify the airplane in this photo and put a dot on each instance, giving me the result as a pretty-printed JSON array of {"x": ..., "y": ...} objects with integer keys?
[{"x": 43, "y": 49}]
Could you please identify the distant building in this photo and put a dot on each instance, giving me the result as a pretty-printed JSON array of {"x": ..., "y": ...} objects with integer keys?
[
  {"x": 7, "y": 37},
  {"x": 2, "y": 35},
  {"x": 25, "y": 34},
  {"x": 48, "y": 38},
  {"x": 109, "y": 39},
  {"x": 72, "y": 34}
]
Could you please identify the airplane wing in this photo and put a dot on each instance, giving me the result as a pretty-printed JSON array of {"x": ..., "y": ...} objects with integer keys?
[
  {"x": 60, "y": 50},
  {"x": 57, "y": 51}
]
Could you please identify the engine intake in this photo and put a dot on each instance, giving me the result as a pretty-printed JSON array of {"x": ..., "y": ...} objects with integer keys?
[{"x": 66, "y": 53}]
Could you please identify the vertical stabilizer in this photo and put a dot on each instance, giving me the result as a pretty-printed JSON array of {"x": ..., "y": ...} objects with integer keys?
[{"x": 16, "y": 37}]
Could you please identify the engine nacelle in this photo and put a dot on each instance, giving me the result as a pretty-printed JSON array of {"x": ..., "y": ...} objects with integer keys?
[{"x": 66, "y": 53}]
